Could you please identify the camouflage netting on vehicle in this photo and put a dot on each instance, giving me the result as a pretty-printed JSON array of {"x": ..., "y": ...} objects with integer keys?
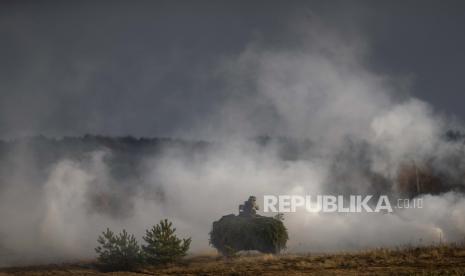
[{"x": 236, "y": 233}]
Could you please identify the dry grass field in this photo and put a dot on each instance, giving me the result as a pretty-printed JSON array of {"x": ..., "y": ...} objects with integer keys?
[{"x": 431, "y": 260}]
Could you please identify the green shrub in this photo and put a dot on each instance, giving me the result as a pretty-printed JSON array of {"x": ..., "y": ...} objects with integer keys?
[
  {"x": 163, "y": 246},
  {"x": 118, "y": 252}
]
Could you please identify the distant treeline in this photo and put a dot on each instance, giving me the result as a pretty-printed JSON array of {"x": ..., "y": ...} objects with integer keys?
[{"x": 350, "y": 165}]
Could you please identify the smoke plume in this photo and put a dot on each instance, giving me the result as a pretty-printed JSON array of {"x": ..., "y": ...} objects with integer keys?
[{"x": 325, "y": 122}]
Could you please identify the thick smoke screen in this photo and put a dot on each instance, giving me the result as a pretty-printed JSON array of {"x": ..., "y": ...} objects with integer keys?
[{"x": 306, "y": 116}]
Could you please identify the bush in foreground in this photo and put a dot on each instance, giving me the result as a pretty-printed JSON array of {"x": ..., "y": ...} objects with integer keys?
[
  {"x": 122, "y": 252},
  {"x": 163, "y": 246},
  {"x": 118, "y": 252}
]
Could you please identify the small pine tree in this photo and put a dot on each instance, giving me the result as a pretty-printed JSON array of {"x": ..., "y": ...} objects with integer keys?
[
  {"x": 118, "y": 252},
  {"x": 163, "y": 246}
]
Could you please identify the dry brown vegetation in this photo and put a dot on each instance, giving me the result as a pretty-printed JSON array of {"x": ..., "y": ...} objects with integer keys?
[{"x": 431, "y": 260}]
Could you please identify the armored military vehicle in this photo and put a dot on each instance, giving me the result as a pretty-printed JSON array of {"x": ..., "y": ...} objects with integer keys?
[{"x": 248, "y": 231}]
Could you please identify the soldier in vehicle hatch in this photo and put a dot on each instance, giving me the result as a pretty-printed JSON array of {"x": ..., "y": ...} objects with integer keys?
[{"x": 249, "y": 208}]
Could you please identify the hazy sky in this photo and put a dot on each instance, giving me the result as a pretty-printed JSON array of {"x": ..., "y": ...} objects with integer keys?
[{"x": 149, "y": 68}]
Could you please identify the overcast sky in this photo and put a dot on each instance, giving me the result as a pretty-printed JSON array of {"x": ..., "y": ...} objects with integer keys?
[{"x": 147, "y": 68}]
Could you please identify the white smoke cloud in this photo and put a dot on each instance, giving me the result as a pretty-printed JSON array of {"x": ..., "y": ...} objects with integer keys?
[
  {"x": 323, "y": 91},
  {"x": 319, "y": 89}
]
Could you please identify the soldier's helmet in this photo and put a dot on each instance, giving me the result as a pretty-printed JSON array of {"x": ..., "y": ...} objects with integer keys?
[{"x": 252, "y": 198}]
